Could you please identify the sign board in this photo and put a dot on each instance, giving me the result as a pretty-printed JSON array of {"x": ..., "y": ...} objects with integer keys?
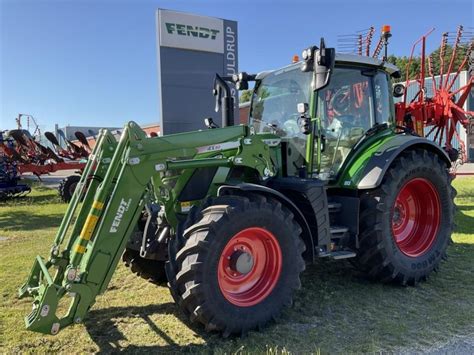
[{"x": 191, "y": 50}]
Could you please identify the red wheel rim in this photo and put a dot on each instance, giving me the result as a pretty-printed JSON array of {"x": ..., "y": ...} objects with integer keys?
[
  {"x": 416, "y": 217},
  {"x": 249, "y": 267}
]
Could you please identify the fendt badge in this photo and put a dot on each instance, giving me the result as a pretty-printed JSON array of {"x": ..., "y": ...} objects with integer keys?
[{"x": 123, "y": 207}]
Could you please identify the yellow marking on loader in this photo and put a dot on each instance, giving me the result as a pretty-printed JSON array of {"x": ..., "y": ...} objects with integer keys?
[
  {"x": 89, "y": 226},
  {"x": 80, "y": 249},
  {"x": 185, "y": 206},
  {"x": 97, "y": 205}
]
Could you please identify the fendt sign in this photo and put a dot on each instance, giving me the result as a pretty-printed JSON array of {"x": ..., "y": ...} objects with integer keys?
[
  {"x": 191, "y": 50},
  {"x": 186, "y": 30}
]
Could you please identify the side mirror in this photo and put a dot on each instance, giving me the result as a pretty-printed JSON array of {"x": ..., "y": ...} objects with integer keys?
[
  {"x": 398, "y": 90},
  {"x": 321, "y": 62},
  {"x": 325, "y": 59}
]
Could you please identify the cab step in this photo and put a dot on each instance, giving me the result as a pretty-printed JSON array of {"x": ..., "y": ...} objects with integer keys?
[
  {"x": 334, "y": 207},
  {"x": 336, "y": 255},
  {"x": 342, "y": 254},
  {"x": 338, "y": 230}
]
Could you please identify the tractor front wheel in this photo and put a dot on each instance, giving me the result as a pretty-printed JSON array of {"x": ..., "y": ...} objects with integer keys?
[
  {"x": 407, "y": 222},
  {"x": 239, "y": 265}
]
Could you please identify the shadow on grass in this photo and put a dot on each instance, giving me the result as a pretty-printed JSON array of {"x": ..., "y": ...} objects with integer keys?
[
  {"x": 103, "y": 331},
  {"x": 31, "y": 200},
  {"x": 337, "y": 309},
  {"x": 24, "y": 221},
  {"x": 464, "y": 222}
]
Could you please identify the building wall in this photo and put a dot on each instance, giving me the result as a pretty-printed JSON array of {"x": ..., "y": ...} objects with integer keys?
[
  {"x": 149, "y": 130},
  {"x": 244, "y": 112},
  {"x": 69, "y": 131},
  {"x": 152, "y": 129}
]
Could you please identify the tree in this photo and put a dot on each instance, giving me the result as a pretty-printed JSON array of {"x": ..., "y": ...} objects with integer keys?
[
  {"x": 415, "y": 65},
  {"x": 245, "y": 96},
  {"x": 460, "y": 55}
]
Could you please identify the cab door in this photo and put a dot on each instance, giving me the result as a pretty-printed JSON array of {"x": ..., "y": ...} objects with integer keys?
[{"x": 346, "y": 109}]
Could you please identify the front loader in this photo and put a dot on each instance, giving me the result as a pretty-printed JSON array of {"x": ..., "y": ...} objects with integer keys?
[{"x": 230, "y": 216}]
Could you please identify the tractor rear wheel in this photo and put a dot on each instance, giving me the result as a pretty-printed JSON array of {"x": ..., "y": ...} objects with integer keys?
[
  {"x": 239, "y": 265},
  {"x": 406, "y": 223},
  {"x": 68, "y": 186}
]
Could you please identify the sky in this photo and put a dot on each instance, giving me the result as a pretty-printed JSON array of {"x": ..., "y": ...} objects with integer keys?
[{"x": 93, "y": 62}]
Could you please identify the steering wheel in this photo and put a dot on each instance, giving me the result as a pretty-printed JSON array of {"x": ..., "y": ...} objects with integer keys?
[
  {"x": 291, "y": 126},
  {"x": 341, "y": 101},
  {"x": 346, "y": 120}
]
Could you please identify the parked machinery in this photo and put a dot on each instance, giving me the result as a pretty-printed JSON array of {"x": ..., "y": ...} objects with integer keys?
[
  {"x": 437, "y": 111},
  {"x": 24, "y": 151},
  {"x": 9, "y": 178}
]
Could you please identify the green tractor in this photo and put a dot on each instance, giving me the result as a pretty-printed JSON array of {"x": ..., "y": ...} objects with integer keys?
[{"x": 229, "y": 217}]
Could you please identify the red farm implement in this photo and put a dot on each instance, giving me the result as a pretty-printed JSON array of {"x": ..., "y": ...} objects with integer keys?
[
  {"x": 22, "y": 150},
  {"x": 436, "y": 109}
]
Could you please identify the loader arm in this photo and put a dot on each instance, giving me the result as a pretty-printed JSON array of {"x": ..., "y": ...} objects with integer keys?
[{"x": 118, "y": 180}]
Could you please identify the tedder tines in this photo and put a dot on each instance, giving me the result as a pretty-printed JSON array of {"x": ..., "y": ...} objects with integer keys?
[{"x": 229, "y": 216}]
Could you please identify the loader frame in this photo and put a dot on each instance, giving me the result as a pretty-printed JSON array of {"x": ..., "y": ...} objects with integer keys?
[{"x": 120, "y": 178}]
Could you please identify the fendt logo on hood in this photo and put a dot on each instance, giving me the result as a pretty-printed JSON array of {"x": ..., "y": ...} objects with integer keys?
[
  {"x": 123, "y": 207},
  {"x": 191, "y": 31}
]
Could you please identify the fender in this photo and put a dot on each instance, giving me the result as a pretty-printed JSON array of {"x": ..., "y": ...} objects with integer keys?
[
  {"x": 307, "y": 235},
  {"x": 372, "y": 171}
]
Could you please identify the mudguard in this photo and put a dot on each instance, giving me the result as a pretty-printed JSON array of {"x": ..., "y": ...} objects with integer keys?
[
  {"x": 307, "y": 235},
  {"x": 371, "y": 172}
]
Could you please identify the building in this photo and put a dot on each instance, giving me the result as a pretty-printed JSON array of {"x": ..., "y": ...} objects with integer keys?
[{"x": 69, "y": 133}]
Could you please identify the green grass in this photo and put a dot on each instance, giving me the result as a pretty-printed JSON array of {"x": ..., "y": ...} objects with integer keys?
[{"x": 335, "y": 311}]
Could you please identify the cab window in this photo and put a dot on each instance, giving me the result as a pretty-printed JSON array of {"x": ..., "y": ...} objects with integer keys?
[
  {"x": 346, "y": 111},
  {"x": 382, "y": 99}
]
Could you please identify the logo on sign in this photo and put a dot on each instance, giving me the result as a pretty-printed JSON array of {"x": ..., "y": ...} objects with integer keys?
[{"x": 191, "y": 31}]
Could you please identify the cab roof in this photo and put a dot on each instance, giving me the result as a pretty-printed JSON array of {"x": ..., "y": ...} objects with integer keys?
[{"x": 342, "y": 58}]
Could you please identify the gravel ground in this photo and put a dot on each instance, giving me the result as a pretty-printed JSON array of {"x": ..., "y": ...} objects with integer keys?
[
  {"x": 51, "y": 180},
  {"x": 457, "y": 345}
]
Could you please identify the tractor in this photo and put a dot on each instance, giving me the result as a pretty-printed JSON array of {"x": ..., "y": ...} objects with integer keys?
[{"x": 228, "y": 217}]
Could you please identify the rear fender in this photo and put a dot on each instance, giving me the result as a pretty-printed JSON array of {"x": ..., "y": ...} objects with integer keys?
[{"x": 370, "y": 172}]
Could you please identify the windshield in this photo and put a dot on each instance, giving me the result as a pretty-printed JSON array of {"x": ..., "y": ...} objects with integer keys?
[{"x": 274, "y": 102}]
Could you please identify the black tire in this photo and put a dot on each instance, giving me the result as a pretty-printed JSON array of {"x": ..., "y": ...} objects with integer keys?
[
  {"x": 150, "y": 270},
  {"x": 406, "y": 261},
  {"x": 67, "y": 187},
  {"x": 178, "y": 241},
  {"x": 196, "y": 283}
]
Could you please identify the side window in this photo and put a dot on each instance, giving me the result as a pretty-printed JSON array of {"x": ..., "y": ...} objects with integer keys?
[
  {"x": 346, "y": 111},
  {"x": 382, "y": 100}
]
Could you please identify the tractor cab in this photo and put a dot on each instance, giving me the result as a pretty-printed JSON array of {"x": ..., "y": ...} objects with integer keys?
[{"x": 356, "y": 96}]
